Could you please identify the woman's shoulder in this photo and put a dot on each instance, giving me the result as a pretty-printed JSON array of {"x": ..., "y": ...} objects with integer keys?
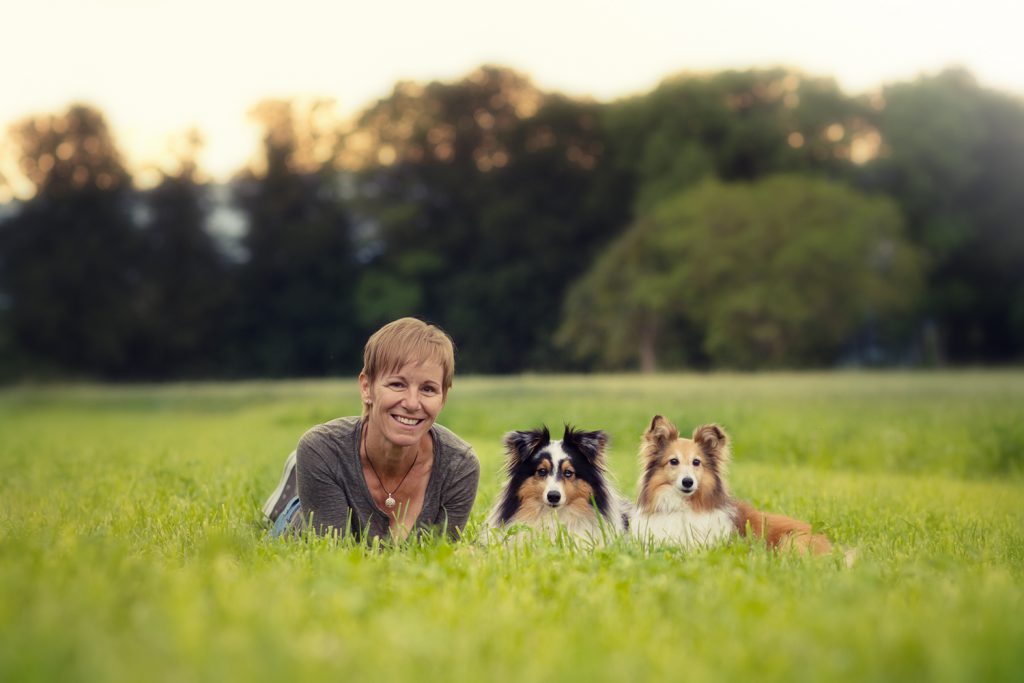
[
  {"x": 453, "y": 445},
  {"x": 336, "y": 432}
]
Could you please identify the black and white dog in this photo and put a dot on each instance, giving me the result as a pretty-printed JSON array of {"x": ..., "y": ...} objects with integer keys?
[{"x": 559, "y": 485}]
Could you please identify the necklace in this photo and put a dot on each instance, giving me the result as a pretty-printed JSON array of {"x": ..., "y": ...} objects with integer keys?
[{"x": 390, "y": 502}]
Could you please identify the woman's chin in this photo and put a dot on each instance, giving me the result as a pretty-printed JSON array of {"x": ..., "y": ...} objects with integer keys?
[{"x": 403, "y": 435}]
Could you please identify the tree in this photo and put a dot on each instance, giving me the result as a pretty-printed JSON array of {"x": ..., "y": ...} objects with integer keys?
[
  {"x": 623, "y": 310},
  {"x": 486, "y": 197},
  {"x": 776, "y": 273},
  {"x": 953, "y": 157},
  {"x": 427, "y": 155},
  {"x": 734, "y": 126},
  {"x": 186, "y": 277},
  {"x": 295, "y": 315},
  {"x": 70, "y": 267}
]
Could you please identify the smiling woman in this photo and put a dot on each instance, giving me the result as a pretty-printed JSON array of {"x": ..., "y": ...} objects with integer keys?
[{"x": 393, "y": 469}]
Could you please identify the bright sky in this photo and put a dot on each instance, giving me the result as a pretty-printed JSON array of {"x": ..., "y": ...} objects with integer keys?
[{"x": 158, "y": 67}]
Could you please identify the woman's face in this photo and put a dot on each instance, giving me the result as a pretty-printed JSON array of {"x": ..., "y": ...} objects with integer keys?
[{"x": 404, "y": 402}]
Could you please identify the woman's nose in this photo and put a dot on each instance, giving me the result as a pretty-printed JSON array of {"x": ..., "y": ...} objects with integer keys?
[{"x": 411, "y": 398}]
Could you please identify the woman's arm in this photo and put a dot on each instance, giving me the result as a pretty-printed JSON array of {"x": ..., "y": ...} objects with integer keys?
[
  {"x": 457, "y": 501},
  {"x": 320, "y": 491}
]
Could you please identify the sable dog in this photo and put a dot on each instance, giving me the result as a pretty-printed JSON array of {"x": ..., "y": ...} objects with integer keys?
[
  {"x": 684, "y": 498},
  {"x": 560, "y": 484}
]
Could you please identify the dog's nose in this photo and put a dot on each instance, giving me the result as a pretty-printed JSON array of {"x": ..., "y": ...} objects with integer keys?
[
  {"x": 687, "y": 483},
  {"x": 554, "y": 497}
]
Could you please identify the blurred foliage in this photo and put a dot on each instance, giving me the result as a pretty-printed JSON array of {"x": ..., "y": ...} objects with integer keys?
[
  {"x": 71, "y": 260},
  {"x": 734, "y": 125},
  {"x": 186, "y": 286},
  {"x": 487, "y": 198},
  {"x": 954, "y": 160},
  {"x": 67, "y": 154},
  {"x": 478, "y": 203},
  {"x": 294, "y": 308},
  {"x": 780, "y": 272}
]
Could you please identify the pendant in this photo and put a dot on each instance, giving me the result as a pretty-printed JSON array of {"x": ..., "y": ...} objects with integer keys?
[{"x": 390, "y": 502}]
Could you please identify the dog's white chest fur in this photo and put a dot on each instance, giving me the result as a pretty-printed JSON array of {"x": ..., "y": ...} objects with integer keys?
[
  {"x": 550, "y": 522},
  {"x": 685, "y": 527}
]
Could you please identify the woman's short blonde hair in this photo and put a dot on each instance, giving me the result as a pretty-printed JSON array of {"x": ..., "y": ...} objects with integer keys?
[{"x": 409, "y": 340}]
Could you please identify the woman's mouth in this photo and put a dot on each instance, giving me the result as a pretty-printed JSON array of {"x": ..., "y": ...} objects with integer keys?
[{"x": 407, "y": 421}]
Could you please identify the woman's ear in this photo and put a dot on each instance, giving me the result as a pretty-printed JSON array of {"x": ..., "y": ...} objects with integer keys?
[{"x": 364, "y": 389}]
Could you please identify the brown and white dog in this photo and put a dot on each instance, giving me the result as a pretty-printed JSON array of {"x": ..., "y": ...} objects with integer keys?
[{"x": 684, "y": 499}]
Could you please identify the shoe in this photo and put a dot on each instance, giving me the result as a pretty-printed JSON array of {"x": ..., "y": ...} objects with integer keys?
[
  {"x": 283, "y": 522},
  {"x": 285, "y": 491}
]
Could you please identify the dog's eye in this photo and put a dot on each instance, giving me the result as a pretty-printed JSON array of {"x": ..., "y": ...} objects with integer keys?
[
  {"x": 542, "y": 472},
  {"x": 567, "y": 474},
  {"x": 696, "y": 463},
  {"x": 673, "y": 461}
]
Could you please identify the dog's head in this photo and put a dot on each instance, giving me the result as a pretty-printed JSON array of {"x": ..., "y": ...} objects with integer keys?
[
  {"x": 679, "y": 471},
  {"x": 545, "y": 474}
]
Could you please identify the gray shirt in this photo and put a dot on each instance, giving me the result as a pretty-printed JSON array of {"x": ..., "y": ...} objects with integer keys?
[{"x": 332, "y": 487}]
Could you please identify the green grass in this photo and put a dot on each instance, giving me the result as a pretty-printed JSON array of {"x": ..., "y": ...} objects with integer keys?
[{"x": 131, "y": 547}]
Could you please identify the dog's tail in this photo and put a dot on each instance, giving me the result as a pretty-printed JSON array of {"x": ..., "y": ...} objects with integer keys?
[{"x": 780, "y": 532}]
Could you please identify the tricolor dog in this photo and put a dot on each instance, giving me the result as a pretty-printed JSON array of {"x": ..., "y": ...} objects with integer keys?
[{"x": 559, "y": 485}]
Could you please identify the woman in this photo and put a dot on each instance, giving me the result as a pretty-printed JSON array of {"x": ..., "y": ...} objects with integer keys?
[{"x": 393, "y": 469}]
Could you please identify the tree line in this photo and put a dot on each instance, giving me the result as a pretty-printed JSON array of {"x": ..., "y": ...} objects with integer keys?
[{"x": 745, "y": 219}]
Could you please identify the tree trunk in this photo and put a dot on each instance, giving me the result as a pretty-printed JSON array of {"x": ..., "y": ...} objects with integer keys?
[{"x": 648, "y": 355}]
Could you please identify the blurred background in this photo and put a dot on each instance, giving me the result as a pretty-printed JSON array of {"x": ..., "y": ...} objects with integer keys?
[{"x": 220, "y": 190}]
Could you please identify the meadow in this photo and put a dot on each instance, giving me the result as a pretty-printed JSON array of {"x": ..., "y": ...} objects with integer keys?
[{"x": 132, "y": 549}]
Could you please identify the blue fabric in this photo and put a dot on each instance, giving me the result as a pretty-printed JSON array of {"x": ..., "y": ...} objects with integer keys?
[{"x": 284, "y": 519}]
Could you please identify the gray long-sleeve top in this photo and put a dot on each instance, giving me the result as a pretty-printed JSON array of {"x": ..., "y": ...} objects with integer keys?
[{"x": 332, "y": 486}]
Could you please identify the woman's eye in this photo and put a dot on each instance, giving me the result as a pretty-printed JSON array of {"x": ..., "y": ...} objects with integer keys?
[
  {"x": 696, "y": 463},
  {"x": 567, "y": 474},
  {"x": 673, "y": 461}
]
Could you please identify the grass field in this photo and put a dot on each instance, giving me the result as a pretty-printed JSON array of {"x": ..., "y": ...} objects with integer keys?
[{"x": 131, "y": 547}]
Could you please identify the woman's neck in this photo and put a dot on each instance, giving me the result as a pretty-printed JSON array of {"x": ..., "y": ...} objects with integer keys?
[{"x": 387, "y": 457}]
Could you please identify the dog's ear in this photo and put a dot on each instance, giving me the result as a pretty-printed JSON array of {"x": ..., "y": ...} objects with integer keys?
[
  {"x": 521, "y": 446},
  {"x": 660, "y": 433},
  {"x": 713, "y": 440},
  {"x": 590, "y": 444}
]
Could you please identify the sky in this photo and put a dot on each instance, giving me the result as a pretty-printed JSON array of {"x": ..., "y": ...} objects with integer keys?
[{"x": 157, "y": 68}]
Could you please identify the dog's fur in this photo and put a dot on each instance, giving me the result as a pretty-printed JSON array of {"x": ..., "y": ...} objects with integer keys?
[
  {"x": 559, "y": 485},
  {"x": 683, "y": 496}
]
